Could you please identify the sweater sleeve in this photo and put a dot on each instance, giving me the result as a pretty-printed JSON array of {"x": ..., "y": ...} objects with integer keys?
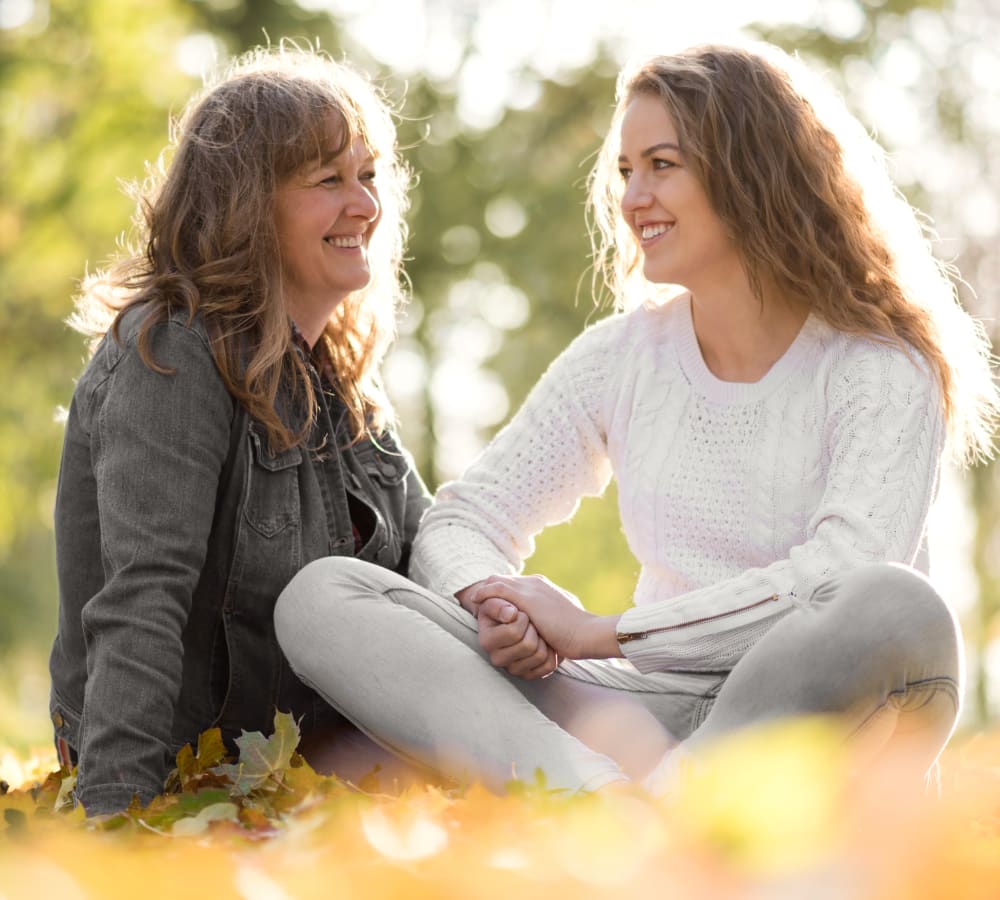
[
  {"x": 533, "y": 474},
  {"x": 886, "y": 434}
]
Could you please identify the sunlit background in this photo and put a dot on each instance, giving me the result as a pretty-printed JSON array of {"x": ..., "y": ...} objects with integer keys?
[{"x": 502, "y": 105}]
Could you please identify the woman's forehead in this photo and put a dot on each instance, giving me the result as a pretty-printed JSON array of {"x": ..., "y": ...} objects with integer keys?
[
  {"x": 354, "y": 148},
  {"x": 335, "y": 135}
]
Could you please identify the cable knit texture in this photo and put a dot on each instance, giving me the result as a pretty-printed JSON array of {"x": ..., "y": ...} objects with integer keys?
[{"x": 737, "y": 499}]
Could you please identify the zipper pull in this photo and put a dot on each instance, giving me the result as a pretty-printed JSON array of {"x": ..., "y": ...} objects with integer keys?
[{"x": 625, "y": 637}]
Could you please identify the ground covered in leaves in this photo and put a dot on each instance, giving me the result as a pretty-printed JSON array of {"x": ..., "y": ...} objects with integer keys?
[{"x": 773, "y": 813}]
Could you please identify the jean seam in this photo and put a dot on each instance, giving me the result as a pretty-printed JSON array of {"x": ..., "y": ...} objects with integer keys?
[
  {"x": 705, "y": 704},
  {"x": 463, "y": 620},
  {"x": 938, "y": 684}
]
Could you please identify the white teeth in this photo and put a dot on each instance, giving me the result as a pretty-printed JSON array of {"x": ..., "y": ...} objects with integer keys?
[
  {"x": 351, "y": 240},
  {"x": 651, "y": 231}
]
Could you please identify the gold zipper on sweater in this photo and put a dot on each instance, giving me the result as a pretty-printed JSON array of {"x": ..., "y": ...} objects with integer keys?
[{"x": 625, "y": 637}]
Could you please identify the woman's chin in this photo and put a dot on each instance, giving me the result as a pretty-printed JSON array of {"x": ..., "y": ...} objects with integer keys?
[{"x": 656, "y": 274}]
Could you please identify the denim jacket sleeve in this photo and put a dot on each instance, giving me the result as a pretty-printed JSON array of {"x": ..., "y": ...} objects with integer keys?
[{"x": 158, "y": 443}]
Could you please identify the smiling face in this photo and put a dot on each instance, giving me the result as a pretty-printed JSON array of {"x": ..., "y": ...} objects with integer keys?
[
  {"x": 325, "y": 215},
  {"x": 683, "y": 240}
]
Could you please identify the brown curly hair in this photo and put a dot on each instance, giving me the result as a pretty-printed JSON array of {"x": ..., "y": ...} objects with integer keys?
[
  {"x": 207, "y": 244},
  {"x": 804, "y": 194}
]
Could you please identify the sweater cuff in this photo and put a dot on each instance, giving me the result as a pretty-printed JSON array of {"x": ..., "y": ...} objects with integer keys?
[
  {"x": 459, "y": 574},
  {"x": 673, "y": 636}
]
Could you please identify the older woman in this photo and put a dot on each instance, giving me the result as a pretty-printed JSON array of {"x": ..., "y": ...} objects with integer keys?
[
  {"x": 773, "y": 398},
  {"x": 230, "y": 426}
]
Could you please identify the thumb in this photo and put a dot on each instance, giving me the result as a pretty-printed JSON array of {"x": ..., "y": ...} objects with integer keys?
[
  {"x": 507, "y": 612},
  {"x": 499, "y": 610}
]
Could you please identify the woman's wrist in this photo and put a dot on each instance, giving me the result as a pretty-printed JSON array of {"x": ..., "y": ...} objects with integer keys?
[{"x": 598, "y": 639}]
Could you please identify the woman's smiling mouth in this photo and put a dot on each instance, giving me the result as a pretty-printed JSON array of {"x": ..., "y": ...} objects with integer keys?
[
  {"x": 653, "y": 230},
  {"x": 345, "y": 241}
]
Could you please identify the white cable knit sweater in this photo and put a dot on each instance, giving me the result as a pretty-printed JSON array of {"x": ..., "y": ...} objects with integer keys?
[{"x": 737, "y": 499}]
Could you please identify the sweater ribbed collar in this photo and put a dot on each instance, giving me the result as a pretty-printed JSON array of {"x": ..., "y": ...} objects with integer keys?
[{"x": 734, "y": 393}]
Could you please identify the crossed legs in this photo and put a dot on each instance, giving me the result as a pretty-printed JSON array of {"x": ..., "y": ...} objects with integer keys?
[{"x": 876, "y": 646}]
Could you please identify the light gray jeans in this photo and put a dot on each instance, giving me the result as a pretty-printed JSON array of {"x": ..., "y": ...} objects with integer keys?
[{"x": 876, "y": 646}]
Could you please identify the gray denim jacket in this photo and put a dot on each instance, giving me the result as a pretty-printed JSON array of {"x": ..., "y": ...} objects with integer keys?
[{"x": 176, "y": 529}]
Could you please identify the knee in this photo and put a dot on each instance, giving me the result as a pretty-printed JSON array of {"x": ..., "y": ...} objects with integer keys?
[
  {"x": 321, "y": 592},
  {"x": 339, "y": 575},
  {"x": 899, "y": 611},
  {"x": 896, "y": 594}
]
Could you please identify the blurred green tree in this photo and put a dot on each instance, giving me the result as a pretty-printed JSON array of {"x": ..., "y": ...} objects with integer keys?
[
  {"x": 500, "y": 278},
  {"x": 84, "y": 90}
]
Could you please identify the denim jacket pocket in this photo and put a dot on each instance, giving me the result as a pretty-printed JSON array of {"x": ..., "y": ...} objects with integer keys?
[{"x": 272, "y": 496}]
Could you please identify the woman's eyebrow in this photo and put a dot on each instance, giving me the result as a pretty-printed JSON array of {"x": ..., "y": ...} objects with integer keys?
[
  {"x": 649, "y": 151},
  {"x": 665, "y": 145}
]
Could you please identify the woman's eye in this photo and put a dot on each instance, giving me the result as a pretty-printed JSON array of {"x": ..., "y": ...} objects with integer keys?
[
  {"x": 331, "y": 180},
  {"x": 624, "y": 173},
  {"x": 368, "y": 175},
  {"x": 663, "y": 164}
]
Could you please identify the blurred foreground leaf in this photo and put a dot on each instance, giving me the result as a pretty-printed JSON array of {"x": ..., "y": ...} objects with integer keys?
[{"x": 775, "y": 812}]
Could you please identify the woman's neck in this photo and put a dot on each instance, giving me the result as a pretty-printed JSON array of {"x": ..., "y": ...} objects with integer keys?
[
  {"x": 740, "y": 336},
  {"x": 310, "y": 319}
]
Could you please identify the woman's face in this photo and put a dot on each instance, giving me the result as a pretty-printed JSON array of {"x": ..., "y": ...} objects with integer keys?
[
  {"x": 325, "y": 215},
  {"x": 682, "y": 239}
]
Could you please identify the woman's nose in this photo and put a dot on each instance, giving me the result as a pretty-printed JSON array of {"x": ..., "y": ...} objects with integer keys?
[
  {"x": 635, "y": 196},
  {"x": 364, "y": 202}
]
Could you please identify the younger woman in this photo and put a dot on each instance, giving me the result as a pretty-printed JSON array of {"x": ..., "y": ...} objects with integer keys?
[{"x": 773, "y": 399}]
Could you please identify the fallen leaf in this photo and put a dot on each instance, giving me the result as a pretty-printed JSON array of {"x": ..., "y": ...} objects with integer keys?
[
  {"x": 194, "y": 825},
  {"x": 262, "y": 759}
]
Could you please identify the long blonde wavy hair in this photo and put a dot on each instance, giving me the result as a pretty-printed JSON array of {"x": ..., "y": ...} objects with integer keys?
[
  {"x": 804, "y": 193},
  {"x": 205, "y": 241}
]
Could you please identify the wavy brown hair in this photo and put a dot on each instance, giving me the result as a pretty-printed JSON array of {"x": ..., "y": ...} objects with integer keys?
[
  {"x": 206, "y": 242},
  {"x": 804, "y": 193}
]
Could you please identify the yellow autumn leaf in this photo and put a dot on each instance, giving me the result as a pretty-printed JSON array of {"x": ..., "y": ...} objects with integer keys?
[{"x": 767, "y": 798}]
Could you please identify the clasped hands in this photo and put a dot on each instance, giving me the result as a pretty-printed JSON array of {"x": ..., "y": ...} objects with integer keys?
[{"x": 526, "y": 624}]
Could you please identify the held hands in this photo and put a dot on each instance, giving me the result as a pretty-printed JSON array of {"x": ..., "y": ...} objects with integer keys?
[
  {"x": 512, "y": 642},
  {"x": 507, "y": 636},
  {"x": 526, "y": 623}
]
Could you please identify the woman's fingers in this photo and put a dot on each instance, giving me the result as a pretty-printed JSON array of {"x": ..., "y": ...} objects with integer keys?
[
  {"x": 523, "y": 656},
  {"x": 501, "y": 630},
  {"x": 497, "y": 609},
  {"x": 514, "y": 588},
  {"x": 546, "y": 668},
  {"x": 511, "y": 641},
  {"x": 539, "y": 664}
]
